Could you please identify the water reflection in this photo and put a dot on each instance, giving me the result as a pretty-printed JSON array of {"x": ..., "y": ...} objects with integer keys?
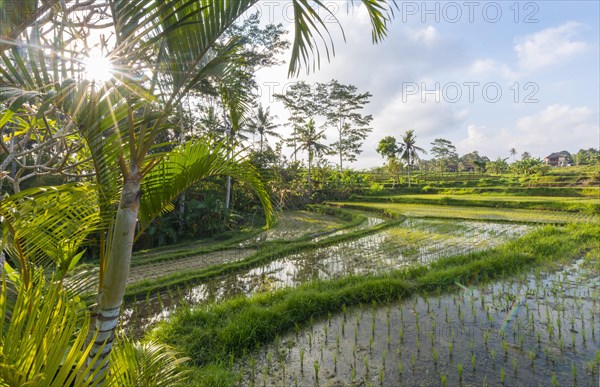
[{"x": 415, "y": 241}]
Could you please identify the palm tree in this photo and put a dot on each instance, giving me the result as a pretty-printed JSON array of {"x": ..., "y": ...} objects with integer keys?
[
  {"x": 408, "y": 150},
  {"x": 309, "y": 140},
  {"x": 263, "y": 124},
  {"x": 161, "y": 50},
  {"x": 210, "y": 122}
]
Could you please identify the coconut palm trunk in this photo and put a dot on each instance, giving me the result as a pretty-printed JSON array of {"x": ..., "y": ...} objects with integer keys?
[
  {"x": 408, "y": 169},
  {"x": 117, "y": 270},
  {"x": 340, "y": 152}
]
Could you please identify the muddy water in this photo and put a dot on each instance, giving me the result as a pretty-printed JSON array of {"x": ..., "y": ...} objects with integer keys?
[
  {"x": 543, "y": 329},
  {"x": 416, "y": 241}
]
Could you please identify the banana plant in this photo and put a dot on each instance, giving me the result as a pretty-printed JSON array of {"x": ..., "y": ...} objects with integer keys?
[{"x": 159, "y": 50}]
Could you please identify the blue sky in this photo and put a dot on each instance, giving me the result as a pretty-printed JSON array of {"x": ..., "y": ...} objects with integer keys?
[{"x": 485, "y": 80}]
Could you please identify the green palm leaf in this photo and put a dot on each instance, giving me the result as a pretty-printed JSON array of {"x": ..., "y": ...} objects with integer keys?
[
  {"x": 49, "y": 226},
  {"x": 146, "y": 364},
  {"x": 43, "y": 335},
  {"x": 187, "y": 165}
]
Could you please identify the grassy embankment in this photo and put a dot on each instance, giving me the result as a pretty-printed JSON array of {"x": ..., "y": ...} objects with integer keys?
[
  {"x": 587, "y": 205},
  {"x": 469, "y": 212}
]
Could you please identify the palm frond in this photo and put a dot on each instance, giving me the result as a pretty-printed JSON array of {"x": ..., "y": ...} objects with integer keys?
[
  {"x": 49, "y": 226},
  {"x": 43, "y": 335},
  {"x": 187, "y": 165},
  {"x": 145, "y": 364}
]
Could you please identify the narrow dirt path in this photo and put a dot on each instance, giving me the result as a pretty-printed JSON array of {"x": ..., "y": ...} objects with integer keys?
[{"x": 163, "y": 269}]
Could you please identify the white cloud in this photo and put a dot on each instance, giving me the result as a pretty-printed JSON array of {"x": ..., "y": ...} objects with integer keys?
[
  {"x": 549, "y": 47},
  {"x": 425, "y": 118},
  {"x": 428, "y": 35},
  {"x": 491, "y": 68},
  {"x": 557, "y": 127}
]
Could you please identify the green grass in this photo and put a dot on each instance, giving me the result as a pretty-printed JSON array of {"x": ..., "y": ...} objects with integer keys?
[
  {"x": 468, "y": 212},
  {"x": 586, "y": 205},
  {"x": 209, "y": 335}
]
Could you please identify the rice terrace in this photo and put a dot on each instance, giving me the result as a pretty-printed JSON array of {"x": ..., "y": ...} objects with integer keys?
[{"x": 166, "y": 221}]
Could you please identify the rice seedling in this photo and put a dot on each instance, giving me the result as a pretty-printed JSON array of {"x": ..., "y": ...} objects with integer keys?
[
  {"x": 486, "y": 337},
  {"x": 531, "y": 358},
  {"x": 335, "y": 362},
  {"x": 521, "y": 340},
  {"x": 460, "y": 370},
  {"x": 444, "y": 380},
  {"x": 502, "y": 375}
]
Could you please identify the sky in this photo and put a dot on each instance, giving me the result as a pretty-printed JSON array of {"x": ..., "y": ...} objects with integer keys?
[{"x": 488, "y": 76}]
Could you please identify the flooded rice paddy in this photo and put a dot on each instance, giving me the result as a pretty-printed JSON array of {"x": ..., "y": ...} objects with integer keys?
[
  {"x": 540, "y": 329},
  {"x": 415, "y": 241}
]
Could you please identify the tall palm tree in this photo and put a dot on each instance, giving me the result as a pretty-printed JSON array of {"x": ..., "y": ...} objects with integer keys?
[
  {"x": 210, "y": 121},
  {"x": 161, "y": 50},
  {"x": 263, "y": 124},
  {"x": 513, "y": 152},
  {"x": 408, "y": 150},
  {"x": 309, "y": 140}
]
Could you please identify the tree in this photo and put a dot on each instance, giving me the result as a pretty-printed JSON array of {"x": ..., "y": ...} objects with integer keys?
[
  {"x": 309, "y": 140},
  {"x": 408, "y": 150},
  {"x": 342, "y": 105},
  {"x": 263, "y": 124},
  {"x": 513, "y": 152},
  {"x": 497, "y": 166},
  {"x": 163, "y": 50},
  {"x": 587, "y": 156},
  {"x": 303, "y": 103},
  {"x": 473, "y": 161},
  {"x": 388, "y": 148},
  {"x": 210, "y": 122},
  {"x": 444, "y": 153}
]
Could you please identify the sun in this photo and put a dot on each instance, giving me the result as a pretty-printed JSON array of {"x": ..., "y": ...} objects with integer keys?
[{"x": 97, "y": 67}]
